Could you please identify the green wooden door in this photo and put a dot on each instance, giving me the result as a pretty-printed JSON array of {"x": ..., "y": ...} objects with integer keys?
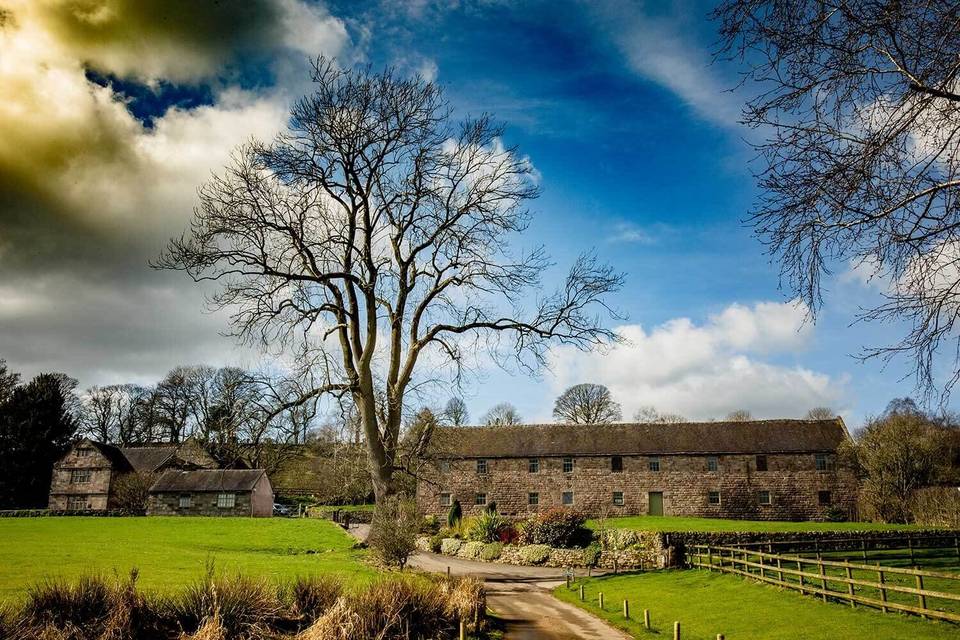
[{"x": 656, "y": 503}]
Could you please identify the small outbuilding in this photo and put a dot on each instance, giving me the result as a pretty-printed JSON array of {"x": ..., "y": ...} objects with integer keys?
[{"x": 212, "y": 492}]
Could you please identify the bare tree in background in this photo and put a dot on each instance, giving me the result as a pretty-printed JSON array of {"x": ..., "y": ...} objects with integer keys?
[
  {"x": 586, "y": 404},
  {"x": 739, "y": 415},
  {"x": 502, "y": 415},
  {"x": 105, "y": 412},
  {"x": 821, "y": 413},
  {"x": 861, "y": 104},
  {"x": 650, "y": 414},
  {"x": 455, "y": 413},
  {"x": 376, "y": 232}
]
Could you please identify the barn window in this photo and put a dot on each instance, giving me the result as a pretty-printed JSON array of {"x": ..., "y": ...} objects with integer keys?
[
  {"x": 653, "y": 463},
  {"x": 761, "y": 463},
  {"x": 568, "y": 465},
  {"x": 763, "y": 497},
  {"x": 616, "y": 463},
  {"x": 824, "y": 498},
  {"x": 76, "y": 503},
  {"x": 618, "y": 498},
  {"x": 481, "y": 499},
  {"x": 80, "y": 476},
  {"x": 186, "y": 501},
  {"x": 445, "y": 499},
  {"x": 822, "y": 462},
  {"x": 713, "y": 463},
  {"x": 226, "y": 500},
  {"x": 533, "y": 498},
  {"x": 482, "y": 465},
  {"x": 83, "y": 452},
  {"x": 533, "y": 465},
  {"x": 713, "y": 497},
  {"x": 444, "y": 466},
  {"x": 567, "y": 498}
]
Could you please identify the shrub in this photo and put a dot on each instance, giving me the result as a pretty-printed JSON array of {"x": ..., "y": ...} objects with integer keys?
[
  {"x": 471, "y": 550},
  {"x": 436, "y": 541},
  {"x": 535, "y": 553},
  {"x": 312, "y": 596},
  {"x": 937, "y": 507},
  {"x": 491, "y": 551},
  {"x": 618, "y": 539},
  {"x": 591, "y": 555},
  {"x": 508, "y": 534},
  {"x": 835, "y": 513},
  {"x": 450, "y": 546},
  {"x": 393, "y": 533},
  {"x": 243, "y": 606},
  {"x": 454, "y": 515},
  {"x": 486, "y": 527},
  {"x": 491, "y": 508},
  {"x": 131, "y": 491},
  {"x": 556, "y": 528}
]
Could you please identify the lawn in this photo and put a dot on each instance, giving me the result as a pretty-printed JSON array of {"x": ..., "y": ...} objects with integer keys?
[
  {"x": 710, "y": 603},
  {"x": 674, "y": 523},
  {"x": 171, "y": 551}
]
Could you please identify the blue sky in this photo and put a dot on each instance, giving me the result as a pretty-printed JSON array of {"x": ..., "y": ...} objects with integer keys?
[{"x": 632, "y": 128}]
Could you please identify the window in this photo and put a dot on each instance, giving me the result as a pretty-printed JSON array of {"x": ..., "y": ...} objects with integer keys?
[
  {"x": 568, "y": 465},
  {"x": 186, "y": 501},
  {"x": 445, "y": 499},
  {"x": 761, "y": 463},
  {"x": 616, "y": 463},
  {"x": 713, "y": 463},
  {"x": 824, "y": 498},
  {"x": 226, "y": 500},
  {"x": 80, "y": 476},
  {"x": 822, "y": 462},
  {"x": 653, "y": 464},
  {"x": 444, "y": 466},
  {"x": 76, "y": 503},
  {"x": 83, "y": 452},
  {"x": 763, "y": 497},
  {"x": 618, "y": 498},
  {"x": 533, "y": 498},
  {"x": 567, "y": 497},
  {"x": 480, "y": 499},
  {"x": 481, "y": 465},
  {"x": 713, "y": 498},
  {"x": 533, "y": 465}
]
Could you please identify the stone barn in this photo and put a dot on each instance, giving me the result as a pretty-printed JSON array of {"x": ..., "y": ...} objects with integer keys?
[
  {"x": 212, "y": 492},
  {"x": 762, "y": 469}
]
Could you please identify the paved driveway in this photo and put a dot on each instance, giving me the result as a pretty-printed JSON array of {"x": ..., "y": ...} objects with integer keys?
[{"x": 521, "y": 597}]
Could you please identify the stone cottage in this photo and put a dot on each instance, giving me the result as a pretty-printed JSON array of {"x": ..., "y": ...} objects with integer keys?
[
  {"x": 85, "y": 478},
  {"x": 763, "y": 469},
  {"x": 212, "y": 492}
]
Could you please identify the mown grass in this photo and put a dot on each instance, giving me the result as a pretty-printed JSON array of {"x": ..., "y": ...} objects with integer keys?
[
  {"x": 169, "y": 552},
  {"x": 675, "y": 523},
  {"x": 710, "y": 603}
]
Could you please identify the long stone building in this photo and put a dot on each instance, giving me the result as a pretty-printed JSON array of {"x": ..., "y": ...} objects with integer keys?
[{"x": 763, "y": 470}]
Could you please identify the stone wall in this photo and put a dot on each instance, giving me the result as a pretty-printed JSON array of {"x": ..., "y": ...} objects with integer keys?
[
  {"x": 684, "y": 481},
  {"x": 97, "y": 490},
  {"x": 202, "y": 504}
]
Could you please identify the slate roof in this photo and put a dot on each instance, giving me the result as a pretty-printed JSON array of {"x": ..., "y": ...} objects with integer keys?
[
  {"x": 536, "y": 440},
  {"x": 207, "y": 480},
  {"x": 148, "y": 459},
  {"x": 117, "y": 460}
]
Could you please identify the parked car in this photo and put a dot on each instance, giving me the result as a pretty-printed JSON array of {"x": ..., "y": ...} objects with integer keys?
[{"x": 282, "y": 510}]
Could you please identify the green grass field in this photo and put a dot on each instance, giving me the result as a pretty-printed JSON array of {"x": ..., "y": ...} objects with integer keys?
[
  {"x": 171, "y": 551},
  {"x": 710, "y": 603},
  {"x": 673, "y": 523}
]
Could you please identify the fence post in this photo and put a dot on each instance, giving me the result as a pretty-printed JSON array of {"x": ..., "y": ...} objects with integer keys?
[
  {"x": 710, "y": 557},
  {"x": 883, "y": 590},
  {"x": 760, "y": 557},
  {"x": 800, "y": 575},
  {"x": 719, "y": 636},
  {"x": 956, "y": 543},
  {"x": 920, "y": 596},
  {"x": 863, "y": 547},
  {"x": 448, "y": 572},
  {"x": 823, "y": 579},
  {"x": 581, "y": 593},
  {"x": 779, "y": 570},
  {"x": 676, "y": 630},
  {"x": 463, "y": 630},
  {"x": 910, "y": 546},
  {"x": 850, "y": 590},
  {"x": 646, "y": 619},
  {"x": 601, "y": 600},
  {"x": 626, "y": 609}
]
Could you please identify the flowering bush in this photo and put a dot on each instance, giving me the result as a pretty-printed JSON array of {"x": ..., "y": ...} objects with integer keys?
[
  {"x": 450, "y": 546},
  {"x": 471, "y": 550},
  {"x": 618, "y": 539},
  {"x": 561, "y": 528},
  {"x": 535, "y": 553}
]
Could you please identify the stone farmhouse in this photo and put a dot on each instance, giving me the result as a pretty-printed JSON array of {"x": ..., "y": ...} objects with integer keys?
[
  {"x": 212, "y": 492},
  {"x": 85, "y": 478},
  {"x": 764, "y": 470}
]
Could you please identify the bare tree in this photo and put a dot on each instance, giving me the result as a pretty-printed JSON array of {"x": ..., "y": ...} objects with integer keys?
[
  {"x": 586, "y": 404},
  {"x": 859, "y": 101},
  {"x": 739, "y": 415},
  {"x": 105, "y": 412},
  {"x": 650, "y": 414},
  {"x": 376, "y": 231},
  {"x": 821, "y": 413},
  {"x": 455, "y": 413},
  {"x": 503, "y": 414}
]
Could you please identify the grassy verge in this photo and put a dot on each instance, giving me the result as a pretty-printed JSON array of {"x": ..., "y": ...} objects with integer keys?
[
  {"x": 171, "y": 551},
  {"x": 709, "y": 603},
  {"x": 674, "y": 523}
]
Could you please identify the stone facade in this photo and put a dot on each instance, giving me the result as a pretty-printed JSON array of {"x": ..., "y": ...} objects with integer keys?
[
  {"x": 201, "y": 504},
  {"x": 81, "y": 480},
  {"x": 764, "y": 486},
  {"x": 207, "y": 492}
]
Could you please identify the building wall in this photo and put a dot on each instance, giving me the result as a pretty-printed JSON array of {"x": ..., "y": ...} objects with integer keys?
[
  {"x": 203, "y": 504},
  {"x": 261, "y": 502},
  {"x": 685, "y": 481},
  {"x": 97, "y": 489}
]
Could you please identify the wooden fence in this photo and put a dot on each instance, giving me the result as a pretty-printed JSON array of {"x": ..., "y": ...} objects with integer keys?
[
  {"x": 904, "y": 546},
  {"x": 836, "y": 580}
]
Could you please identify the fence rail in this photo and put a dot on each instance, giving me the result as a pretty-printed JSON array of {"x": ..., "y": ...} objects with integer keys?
[
  {"x": 793, "y": 572},
  {"x": 909, "y": 545}
]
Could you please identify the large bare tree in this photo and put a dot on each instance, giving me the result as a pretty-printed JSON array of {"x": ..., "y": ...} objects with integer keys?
[
  {"x": 586, "y": 403},
  {"x": 860, "y": 106},
  {"x": 372, "y": 237}
]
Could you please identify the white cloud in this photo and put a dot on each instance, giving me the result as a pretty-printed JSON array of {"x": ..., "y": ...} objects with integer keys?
[
  {"x": 627, "y": 232},
  {"x": 704, "y": 371}
]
